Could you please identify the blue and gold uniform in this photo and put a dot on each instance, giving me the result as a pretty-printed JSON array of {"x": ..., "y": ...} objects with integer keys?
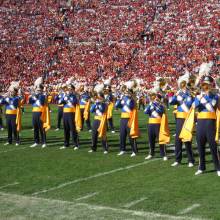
[
  {"x": 59, "y": 98},
  {"x": 183, "y": 101},
  {"x": 84, "y": 108},
  {"x": 207, "y": 104},
  {"x": 155, "y": 110},
  {"x": 69, "y": 102},
  {"x": 38, "y": 102},
  {"x": 99, "y": 108},
  {"x": 126, "y": 104},
  {"x": 11, "y": 108}
]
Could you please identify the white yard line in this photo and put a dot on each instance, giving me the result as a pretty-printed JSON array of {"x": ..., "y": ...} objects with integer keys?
[
  {"x": 10, "y": 184},
  {"x": 14, "y": 149},
  {"x": 137, "y": 213},
  {"x": 189, "y": 209},
  {"x": 98, "y": 208},
  {"x": 130, "y": 204},
  {"x": 3, "y": 135},
  {"x": 94, "y": 176},
  {"x": 21, "y": 148},
  {"x": 87, "y": 196}
]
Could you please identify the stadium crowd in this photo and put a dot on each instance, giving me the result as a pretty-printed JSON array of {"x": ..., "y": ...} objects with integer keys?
[{"x": 98, "y": 39}]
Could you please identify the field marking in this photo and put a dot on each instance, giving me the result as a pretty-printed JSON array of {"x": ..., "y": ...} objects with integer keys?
[
  {"x": 87, "y": 196},
  {"x": 130, "y": 204},
  {"x": 93, "y": 176},
  {"x": 21, "y": 148},
  {"x": 10, "y": 184},
  {"x": 3, "y": 136},
  {"x": 137, "y": 213},
  {"x": 189, "y": 209},
  {"x": 153, "y": 215}
]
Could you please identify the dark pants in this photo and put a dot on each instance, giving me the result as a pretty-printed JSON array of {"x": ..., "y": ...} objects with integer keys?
[
  {"x": 88, "y": 124},
  {"x": 1, "y": 122},
  {"x": 59, "y": 116},
  {"x": 110, "y": 124},
  {"x": 95, "y": 127},
  {"x": 124, "y": 131},
  {"x": 12, "y": 128},
  {"x": 70, "y": 128},
  {"x": 206, "y": 130},
  {"x": 38, "y": 128},
  {"x": 179, "y": 143},
  {"x": 153, "y": 135}
]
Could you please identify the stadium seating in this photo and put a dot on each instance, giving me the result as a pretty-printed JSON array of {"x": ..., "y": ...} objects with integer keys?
[{"x": 108, "y": 38}]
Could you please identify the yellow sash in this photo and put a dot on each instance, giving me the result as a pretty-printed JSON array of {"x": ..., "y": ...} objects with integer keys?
[
  {"x": 110, "y": 109},
  {"x": 133, "y": 124},
  {"x": 78, "y": 120},
  {"x": 18, "y": 119},
  {"x": 86, "y": 111},
  {"x": 187, "y": 129},
  {"x": 217, "y": 125},
  {"x": 103, "y": 126},
  {"x": 45, "y": 117},
  {"x": 164, "y": 134}
]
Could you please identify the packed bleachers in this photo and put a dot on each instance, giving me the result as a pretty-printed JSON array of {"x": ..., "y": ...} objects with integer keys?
[{"x": 108, "y": 38}]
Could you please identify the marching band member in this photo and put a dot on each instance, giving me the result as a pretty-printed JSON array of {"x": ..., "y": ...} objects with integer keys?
[
  {"x": 70, "y": 116},
  {"x": 110, "y": 102},
  {"x": 129, "y": 120},
  {"x": 59, "y": 98},
  {"x": 40, "y": 113},
  {"x": 12, "y": 104},
  {"x": 99, "y": 127},
  {"x": 157, "y": 125},
  {"x": 208, "y": 104},
  {"x": 85, "y": 107},
  {"x": 208, "y": 120},
  {"x": 183, "y": 100}
]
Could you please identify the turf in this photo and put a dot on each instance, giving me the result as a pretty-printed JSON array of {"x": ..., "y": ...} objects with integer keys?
[{"x": 50, "y": 183}]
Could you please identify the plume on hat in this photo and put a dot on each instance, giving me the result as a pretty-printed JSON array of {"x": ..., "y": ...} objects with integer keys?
[
  {"x": 204, "y": 69},
  {"x": 130, "y": 84},
  {"x": 107, "y": 82},
  {"x": 156, "y": 87},
  {"x": 137, "y": 83},
  {"x": 183, "y": 78},
  {"x": 99, "y": 88},
  {"x": 14, "y": 85},
  {"x": 38, "y": 82}
]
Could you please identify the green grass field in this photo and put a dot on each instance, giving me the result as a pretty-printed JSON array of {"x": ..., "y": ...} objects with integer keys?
[{"x": 50, "y": 183}]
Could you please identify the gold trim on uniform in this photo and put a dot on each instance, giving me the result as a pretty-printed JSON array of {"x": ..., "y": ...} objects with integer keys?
[
  {"x": 67, "y": 110},
  {"x": 98, "y": 117},
  {"x": 181, "y": 114},
  {"x": 154, "y": 120},
  {"x": 206, "y": 115},
  {"x": 125, "y": 115},
  {"x": 11, "y": 112},
  {"x": 37, "y": 109}
]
